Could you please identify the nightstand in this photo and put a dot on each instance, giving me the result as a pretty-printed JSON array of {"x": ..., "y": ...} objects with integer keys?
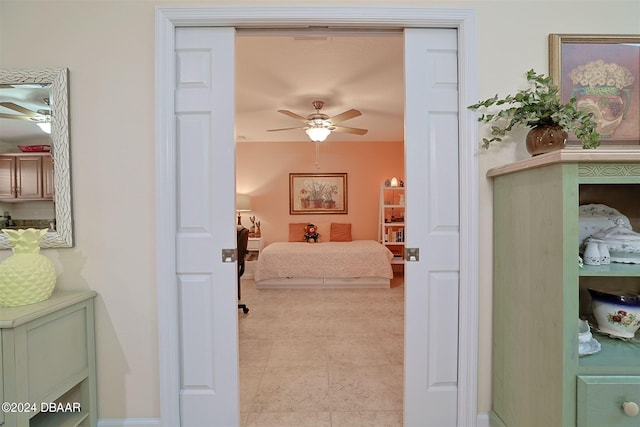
[{"x": 254, "y": 247}]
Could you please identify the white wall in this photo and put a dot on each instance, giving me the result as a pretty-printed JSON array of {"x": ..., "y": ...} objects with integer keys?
[{"x": 108, "y": 47}]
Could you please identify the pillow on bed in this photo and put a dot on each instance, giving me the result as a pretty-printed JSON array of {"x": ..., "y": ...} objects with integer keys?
[
  {"x": 296, "y": 231},
  {"x": 324, "y": 230},
  {"x": 340, "y": 232}
]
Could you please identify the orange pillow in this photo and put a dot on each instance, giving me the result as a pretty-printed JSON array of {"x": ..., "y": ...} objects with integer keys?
[
  {"x": 340, "y": 232},
  {"x": 296, "y": 231},
  {"x": 324, "y": 230}
]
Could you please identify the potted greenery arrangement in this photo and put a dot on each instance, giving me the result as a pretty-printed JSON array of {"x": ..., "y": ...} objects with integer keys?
[{"x": 539, "y": 108}]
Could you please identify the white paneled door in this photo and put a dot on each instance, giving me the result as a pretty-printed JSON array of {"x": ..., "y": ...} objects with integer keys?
[
  {"x": 208, "y": 320},
  {"x": 198, "y": 312},
  {"x": 433, "y": 226}
]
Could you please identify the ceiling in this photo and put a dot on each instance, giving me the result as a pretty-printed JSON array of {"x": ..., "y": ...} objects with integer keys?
[
  {"x": 30, "y": 96},
  {"x": 289, "y": 71}
]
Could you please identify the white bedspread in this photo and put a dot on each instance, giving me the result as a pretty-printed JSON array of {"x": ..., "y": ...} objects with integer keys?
[{"x": 359, "y": 258}]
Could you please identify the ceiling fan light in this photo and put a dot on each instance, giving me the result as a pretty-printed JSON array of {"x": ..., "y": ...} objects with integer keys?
[
  {"x": 318, "y": 134},
  {"x": 45, "y": 126}
]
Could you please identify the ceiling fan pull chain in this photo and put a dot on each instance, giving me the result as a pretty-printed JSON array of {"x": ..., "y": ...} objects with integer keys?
[{"x": 317, "y": 155}]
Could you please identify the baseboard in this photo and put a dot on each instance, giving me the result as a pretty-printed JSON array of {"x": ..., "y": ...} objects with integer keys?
[
  {"x": 129, "y": 422},
  {"x": 483, "y": 420}
]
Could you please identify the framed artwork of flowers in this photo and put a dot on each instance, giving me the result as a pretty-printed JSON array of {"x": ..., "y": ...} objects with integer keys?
[
  {"x": 603, "y": 73},
  {"x": 317, "y": 193}
]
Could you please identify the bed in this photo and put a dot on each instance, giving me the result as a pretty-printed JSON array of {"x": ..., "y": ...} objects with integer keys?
[{"x": 355, "y": 264}]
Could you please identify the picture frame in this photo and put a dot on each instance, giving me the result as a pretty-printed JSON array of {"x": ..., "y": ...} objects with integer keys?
[
  {"x": 603, "y": 73},
  {"x": 317, "y": 193}
]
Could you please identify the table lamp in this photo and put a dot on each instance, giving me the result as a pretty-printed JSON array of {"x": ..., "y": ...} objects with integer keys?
[{"x": 243, "y": 204}]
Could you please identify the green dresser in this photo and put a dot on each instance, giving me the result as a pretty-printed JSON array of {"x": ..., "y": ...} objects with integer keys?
[
  {"x": 539, "y": 292},
  {"x": 47, "y": 362}
]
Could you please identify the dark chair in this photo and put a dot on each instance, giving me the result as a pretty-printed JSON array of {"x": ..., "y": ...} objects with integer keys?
[{"x": 243, "y": 241}]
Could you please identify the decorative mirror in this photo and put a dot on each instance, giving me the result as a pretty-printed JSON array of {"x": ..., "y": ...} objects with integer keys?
[{"x": 34, "y": 102}]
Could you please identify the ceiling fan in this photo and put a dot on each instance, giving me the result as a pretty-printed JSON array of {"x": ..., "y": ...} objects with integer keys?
[
  {"x": 38, "y": 116},
  {"x": 41, "y": 117},
  {"x": 319, "y": 125}
]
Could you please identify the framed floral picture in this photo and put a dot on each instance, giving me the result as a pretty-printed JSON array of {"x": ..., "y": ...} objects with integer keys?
[
  {"x": 317, "y": 193},
  {"x": 603, "y": 73}
]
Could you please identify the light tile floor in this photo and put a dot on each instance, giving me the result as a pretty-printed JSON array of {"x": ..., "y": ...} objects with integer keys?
[{"x": 322, "y": 357}]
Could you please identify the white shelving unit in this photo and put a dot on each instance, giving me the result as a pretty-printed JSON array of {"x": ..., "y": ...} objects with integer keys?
[{"x": 391, "y": 221}]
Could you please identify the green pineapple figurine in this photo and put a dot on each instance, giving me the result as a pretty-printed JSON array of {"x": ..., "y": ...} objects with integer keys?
[{"x": 26, "y": 277}]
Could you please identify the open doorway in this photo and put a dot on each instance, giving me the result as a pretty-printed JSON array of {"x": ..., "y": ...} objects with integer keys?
[
  {"x": 191, "y": 169},
  {"x": 362, "y": 71},
  {"x": 319, "y": 355}
]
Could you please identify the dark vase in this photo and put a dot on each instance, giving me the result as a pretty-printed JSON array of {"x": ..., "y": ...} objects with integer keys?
[{"x": 545, "y": 138}]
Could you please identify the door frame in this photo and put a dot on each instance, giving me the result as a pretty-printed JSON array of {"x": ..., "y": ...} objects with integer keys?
[{"x": 263, "y": 17}]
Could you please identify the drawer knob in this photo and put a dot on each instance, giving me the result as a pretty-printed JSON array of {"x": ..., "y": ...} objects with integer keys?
[{"x": 631, "y": 409}]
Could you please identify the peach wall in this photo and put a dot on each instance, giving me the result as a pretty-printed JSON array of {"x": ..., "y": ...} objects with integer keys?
[{"x": 262, "y": 171}]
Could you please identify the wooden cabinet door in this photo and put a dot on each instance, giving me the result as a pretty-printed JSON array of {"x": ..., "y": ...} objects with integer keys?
[
  {"x": 29, "y": 177},
  {"x": 7, "y": 177},
  {"x": 48, "y": 186}
]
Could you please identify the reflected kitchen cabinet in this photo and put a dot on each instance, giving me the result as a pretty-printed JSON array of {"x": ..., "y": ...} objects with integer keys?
[
  {"x": 26, "y": 177},
  {"x": 7, "y": 177},
  {"x": 48, "y": 183}
]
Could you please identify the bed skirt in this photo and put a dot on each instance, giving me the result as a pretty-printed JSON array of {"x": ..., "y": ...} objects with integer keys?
[{"x": 323, "y": 282}]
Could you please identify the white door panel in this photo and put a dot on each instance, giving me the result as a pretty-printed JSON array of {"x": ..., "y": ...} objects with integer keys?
[
  {"x": 443, "y": 295},
  {"x": 204, "y": 106},
  {"x": 432, "y": 283},
  {"x": 197, "y": 371}
]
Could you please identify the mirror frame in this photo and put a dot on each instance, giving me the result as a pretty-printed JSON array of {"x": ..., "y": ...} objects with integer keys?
[{"x": 62, "y": 237}]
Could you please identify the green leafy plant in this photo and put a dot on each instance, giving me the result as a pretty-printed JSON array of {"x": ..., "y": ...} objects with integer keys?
[{"x": 537, "y": 105}]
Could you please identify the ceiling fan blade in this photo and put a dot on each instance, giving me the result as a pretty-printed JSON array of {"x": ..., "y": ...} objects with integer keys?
[
  {"x": 18, "y": 108},
  {"x": 276, "y": 130},
  {"x": 13, "y": 116},
  {"x": 294, "y": 115},
  {"x": 349, "y": 114},
  {"x": 343, "y": 129}
]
